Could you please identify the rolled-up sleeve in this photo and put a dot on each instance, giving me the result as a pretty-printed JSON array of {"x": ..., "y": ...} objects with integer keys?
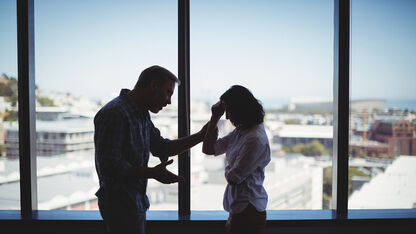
[
  {"x": 158, "y": 144},
  {"x": 221, "y": 144},
  {"x": 110, "y": 133},
  {"x": 252, "y": 155}
]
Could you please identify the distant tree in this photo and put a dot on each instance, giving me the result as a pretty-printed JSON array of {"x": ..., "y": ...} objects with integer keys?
[
  {"x": 4, "y": 76},
  {"x": 45, "y": 101},
  {"x": 5, "y": 90},
  {"x": 10, "y": 89},
  {"x": 297, "y": 148},
  {"x": 287, "y": 149},
  {"x": 292, "y": 121},
  {"x": 328, "y": 152},
  {"x": 2, "y": 149},
  {"x": 314, "y": 148},
  {"x": 327, "y": 183},
  {"x": 10, "y": 115},
  {"x": 327, "y": 187},
  {"x": 275, "y": 110}
]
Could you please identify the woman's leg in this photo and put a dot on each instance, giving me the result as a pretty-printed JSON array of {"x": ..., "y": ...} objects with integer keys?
[{"x": 249, "y": 221}]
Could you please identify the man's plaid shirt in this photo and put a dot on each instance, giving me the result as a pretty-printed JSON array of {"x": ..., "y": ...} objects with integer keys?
[{"x": 124, "y": 136}]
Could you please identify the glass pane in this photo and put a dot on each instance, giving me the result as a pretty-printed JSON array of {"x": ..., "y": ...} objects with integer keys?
[
  {"x": 383, "y": 105},
  {"x": 283, "y": 52},
  {"x": 86, "y": 52},
  {"x": 9, "y": 130}
]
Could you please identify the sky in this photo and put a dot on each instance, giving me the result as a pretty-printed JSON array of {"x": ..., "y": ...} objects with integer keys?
[{"x": 278, "y": 49}]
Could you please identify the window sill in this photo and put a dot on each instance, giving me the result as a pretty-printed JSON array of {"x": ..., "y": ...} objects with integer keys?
[{"x": 275, "y": 216}]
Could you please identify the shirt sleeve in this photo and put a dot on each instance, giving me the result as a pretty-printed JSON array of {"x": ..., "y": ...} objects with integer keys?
[
  {"x": 158, "y": 144},
  {"x": 220, "y": 146},
  {"x": 252, "y": 155},
  {"x": 110, "y": 133}
]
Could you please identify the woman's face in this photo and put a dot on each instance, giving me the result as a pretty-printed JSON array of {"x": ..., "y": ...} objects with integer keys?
[{"x": 228, "y": 114}]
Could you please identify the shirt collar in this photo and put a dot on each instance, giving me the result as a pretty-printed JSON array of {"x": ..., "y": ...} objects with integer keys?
[{"x": 131, "y": 105}]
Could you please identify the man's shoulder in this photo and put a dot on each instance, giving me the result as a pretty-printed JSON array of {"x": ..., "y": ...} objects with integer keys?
[{"x": 115, "y": 107}]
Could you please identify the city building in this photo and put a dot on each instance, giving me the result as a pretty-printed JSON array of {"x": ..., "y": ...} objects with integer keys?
[
  {"x": 310, "y": 104},
  {"x": 367, "y": 105},
  {"x": 54, "y": 137},
  {"x": 294, "y": 182},
  {"x": 396, "y": 184},
  {"x": 361, "y": 148},
  {"x": 303, "y": 134},
  {"x": 399, "y": 135},
  {"x": 338, "y": 37},
  {"x": 66, "y": 181},
  {"x": 326, "y": 104}
]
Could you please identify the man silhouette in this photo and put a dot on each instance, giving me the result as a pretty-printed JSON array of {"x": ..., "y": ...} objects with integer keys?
[{"x": 124, "y": 138}]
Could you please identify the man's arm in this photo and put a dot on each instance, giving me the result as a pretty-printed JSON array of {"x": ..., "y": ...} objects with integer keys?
[
  {"x": 110, "y": 129},
  {"x": 159, "y": 173},
  {"x": 175, "y": 147}
]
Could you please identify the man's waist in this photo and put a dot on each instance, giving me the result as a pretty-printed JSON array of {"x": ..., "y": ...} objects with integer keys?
[{"x": 123, "y": 199}]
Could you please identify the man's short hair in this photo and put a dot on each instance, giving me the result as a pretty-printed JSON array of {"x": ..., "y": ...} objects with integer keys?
[{"x": 156, "y": 73}]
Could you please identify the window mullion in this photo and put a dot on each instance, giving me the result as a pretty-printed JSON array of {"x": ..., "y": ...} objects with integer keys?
[
  {"x": 184, "y": 105},
  {"x": 26, "y": 105},
  {"x": 341, "y": 107}
]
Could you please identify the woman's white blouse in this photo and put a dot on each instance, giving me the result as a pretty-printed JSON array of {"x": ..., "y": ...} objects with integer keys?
[{"x": 247, "y": 153}]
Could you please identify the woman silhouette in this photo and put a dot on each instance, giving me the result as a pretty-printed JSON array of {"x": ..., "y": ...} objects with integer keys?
[{"x": 247, "y": 153}]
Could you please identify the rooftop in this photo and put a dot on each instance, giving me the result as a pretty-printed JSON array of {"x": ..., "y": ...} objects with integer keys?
[
  {"x": 306, "y": 131},
  {"x": 59, "y": 126},
  {"x": 397, "y": 185}
]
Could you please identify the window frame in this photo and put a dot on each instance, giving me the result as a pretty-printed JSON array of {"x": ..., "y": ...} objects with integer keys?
[
  {"x": 27, "y": 105},
  {"x": 27, "y": 132}
]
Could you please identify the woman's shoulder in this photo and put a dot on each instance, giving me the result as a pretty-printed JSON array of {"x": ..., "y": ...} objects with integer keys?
[{"x": 256, "y": 133}]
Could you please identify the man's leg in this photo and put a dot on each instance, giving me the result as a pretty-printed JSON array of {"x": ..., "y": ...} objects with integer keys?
[{"x": 116, "y": 221}]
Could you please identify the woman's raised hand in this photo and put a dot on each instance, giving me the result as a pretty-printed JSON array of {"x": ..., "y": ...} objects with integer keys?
[{"x": 218, "y": 109}]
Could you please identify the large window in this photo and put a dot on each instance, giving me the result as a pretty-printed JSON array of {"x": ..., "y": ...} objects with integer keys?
[
  {"x": 86, "y": 52},
  {"x": 9, "y": 137},
  {"x": 383, "y": 105},
  {"x": 288, "y": 53},
  {"x": 282, "y": 51}
]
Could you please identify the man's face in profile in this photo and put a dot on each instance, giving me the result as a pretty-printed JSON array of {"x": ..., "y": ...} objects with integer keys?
[{"x": 161, "y": 96}]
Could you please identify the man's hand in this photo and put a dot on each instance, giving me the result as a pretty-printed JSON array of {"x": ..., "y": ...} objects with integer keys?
[
  {"x": 218, "y": 109},
  {"x": 161, "y": 174}
]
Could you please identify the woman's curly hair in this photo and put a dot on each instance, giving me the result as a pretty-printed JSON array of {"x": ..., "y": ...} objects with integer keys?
[{"x": 245, "y": 109}]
